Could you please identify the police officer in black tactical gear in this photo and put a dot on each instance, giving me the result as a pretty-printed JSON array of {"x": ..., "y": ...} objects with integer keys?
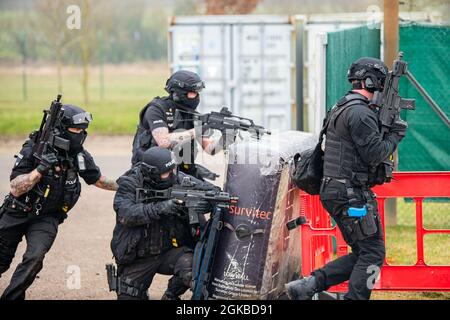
[
  {"x": 166, "y": 122},
  {"x": 42, "y": 193},
  {"x": 152, "y": 237},
  {"x": 354, "y": 148}
]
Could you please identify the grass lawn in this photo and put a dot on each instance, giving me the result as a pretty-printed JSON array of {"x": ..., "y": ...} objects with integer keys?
[{"x": 126, "y": 91}]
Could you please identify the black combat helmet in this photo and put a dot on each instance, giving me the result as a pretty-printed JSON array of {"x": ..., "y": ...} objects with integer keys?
[
  {"x": 74, "y": 117},
  {"x": 371, "y": 71},
  {"x": 182, "y": 82},
  {"x": 156, "y": 161}
]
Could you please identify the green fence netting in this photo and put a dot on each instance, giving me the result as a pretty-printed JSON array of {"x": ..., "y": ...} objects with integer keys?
[
  {"x": 344, "y": 47},
  {"x": 427, "y": 144}
]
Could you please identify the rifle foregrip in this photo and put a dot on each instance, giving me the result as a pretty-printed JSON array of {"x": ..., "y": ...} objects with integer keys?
[{"x": 408, "y": 104}]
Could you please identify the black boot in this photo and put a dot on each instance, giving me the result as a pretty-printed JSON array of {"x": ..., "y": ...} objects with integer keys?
[
  {"x": 302, "y": 289},
  {"x": 169, "y": 296}
]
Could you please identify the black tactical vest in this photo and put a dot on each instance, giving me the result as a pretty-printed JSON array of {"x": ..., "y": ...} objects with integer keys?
[
  {"x": 64, "y": 190},
  {"x": 143, "y": 139},
  {"x": 55, "y": 193},
  {"x": 341, "y": 158}
]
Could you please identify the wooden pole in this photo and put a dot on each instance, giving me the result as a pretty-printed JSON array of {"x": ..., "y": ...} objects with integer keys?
[
  {"x": 391, "y": 46},
  {"x": 391, "y": 31}
]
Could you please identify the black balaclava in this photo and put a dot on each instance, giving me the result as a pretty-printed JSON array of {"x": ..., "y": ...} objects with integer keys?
[
  {"x": 76, "y": 140},
  {"x": 74, "y": 117},
  {"x": 185, "y": 101}
]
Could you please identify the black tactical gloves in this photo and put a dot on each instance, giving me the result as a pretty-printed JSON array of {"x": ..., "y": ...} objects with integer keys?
[
  {"x": 168, "y": 207},
  {"x": 399, "y": 128},
  {"x": 174, "y": 207},
  {"x": 48, "y": 161}
]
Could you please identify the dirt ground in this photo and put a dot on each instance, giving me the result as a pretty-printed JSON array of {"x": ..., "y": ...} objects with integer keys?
[{"x": 83, "y": 242}]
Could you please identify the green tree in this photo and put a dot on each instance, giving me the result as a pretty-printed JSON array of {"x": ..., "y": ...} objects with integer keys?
[{"x": 50, "y": 24}]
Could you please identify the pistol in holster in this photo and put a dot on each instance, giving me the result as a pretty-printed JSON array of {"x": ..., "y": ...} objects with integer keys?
[{"x": 111, "y": 274}]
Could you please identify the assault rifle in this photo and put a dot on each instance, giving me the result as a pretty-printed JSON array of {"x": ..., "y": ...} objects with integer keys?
[
  {"x": 47, "y": 137},
  {"x": 390, "y": 104},
  {"x": 189, "y": 192},
  {"x": 224, "y": 121}
]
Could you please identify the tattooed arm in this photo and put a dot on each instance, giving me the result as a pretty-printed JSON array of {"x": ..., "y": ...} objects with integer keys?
[
  {"x": 167, "y": 140},
  {"x": 107, "y": 184},
  {"x": 211, "y": 146},
  {"x": 24, "y": 183}
]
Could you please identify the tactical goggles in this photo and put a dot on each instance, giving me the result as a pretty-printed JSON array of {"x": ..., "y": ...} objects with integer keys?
[
  {"x": 149, "y": 169},
  {"x": 82, "y": 118},
  {"x": 197, "y": 87},
  {"x": 152, "y": 170}
]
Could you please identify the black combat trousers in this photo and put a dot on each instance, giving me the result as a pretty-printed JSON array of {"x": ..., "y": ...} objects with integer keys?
[
  {"x": 362, "y": 266},
  {"x": 135, "y": 278},
  {"x": 39, "y": 232}
]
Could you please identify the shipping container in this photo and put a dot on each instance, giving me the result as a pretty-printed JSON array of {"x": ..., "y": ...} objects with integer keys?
[
  {"x": 245, "y": 61},
  {"x": 271, "y": 68}
]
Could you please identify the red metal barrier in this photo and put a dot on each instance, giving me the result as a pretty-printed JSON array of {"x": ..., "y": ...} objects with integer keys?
[{"x": 317, "y": 246}]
